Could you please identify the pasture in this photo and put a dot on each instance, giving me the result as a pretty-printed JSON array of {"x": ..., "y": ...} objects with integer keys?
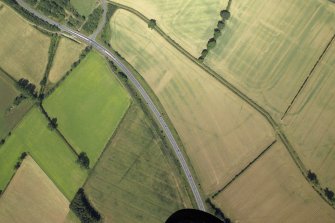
[
  {"x": 23, "y": 49},
  {"x": 221, "y": 133},
  {"x": 89, "y": 105},
  {"x": 84, "y": 7},
  {"x": 9, "y": 115},
  {"x": 134, "y": 180},
  {"x": 49, "y": 151},
  {"x": 273, "y": 190},
  {"x": 189, "y": 22},
  {"x": 268, "y": 48},
  {"x": 32, "y": 197},
  {"x": 67, "y": 53},
  {"x": 310, "y": 124}
]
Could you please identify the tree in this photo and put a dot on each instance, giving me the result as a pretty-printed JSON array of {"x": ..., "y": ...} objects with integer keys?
[
  {"x": 220, "y": 25},
  {"x": 329, "y": 194},
  {"x": 17, "y": 165},
  {"x": 2, "y": 141},
  {"x": 53, "y": 124},
  {"x": 211, "y": 44},
  {"x": 83, "y": 160},
  {"x": 225, "y": 14},
  {"x": 217, "y": 33},
  {"x": 23, "y": 155},
  {"x": 152, "y": 23}
]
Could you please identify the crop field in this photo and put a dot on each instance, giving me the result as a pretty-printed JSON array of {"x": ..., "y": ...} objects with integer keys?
[
  {"x": 47, "y": 149},
  {"x": 268, "y": 48},
  {"x": 89, "y": 105},
  {"x": 273, "y": 190},
  {"x": 190, "y": 22},
  {"x": 23, "y": 49},
  {"x": 67, "y": 53},
  {"x": 84, "y": 7},
  {"x": 220, "y": 132},
  {"x": 9, "y": 117},
  {"x": 32, "y": 197},
  {"x": 310, "y": 124},
  {"x": 134, "y": 180}
]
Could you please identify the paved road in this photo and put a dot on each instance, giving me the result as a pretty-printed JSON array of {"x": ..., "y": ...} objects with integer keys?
[{"x": 140, "y": 89}]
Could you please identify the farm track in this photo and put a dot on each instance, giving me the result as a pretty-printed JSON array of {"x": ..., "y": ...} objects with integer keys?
[
  {"x": 279, "y": 132},
  {"x": 155, "y": 112},
  {"x": 309, "y": 76}
]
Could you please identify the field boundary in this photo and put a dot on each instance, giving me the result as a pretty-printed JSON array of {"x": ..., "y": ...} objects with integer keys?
[
  {"x": 244, "y": 169},
  {"x": 309, "y": 76},
  {"x": 277, "y": 129}
]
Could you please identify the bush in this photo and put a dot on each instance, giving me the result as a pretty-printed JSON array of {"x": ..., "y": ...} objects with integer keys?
[
  {"x": 204, "y": 53},
  {"x": 93, "y": 20},
  {"x": 312, "y": 176},
  {"x": 2, "y": 141},
  {"x": 211, "y": 44},
  {"x": 152, "y": 23},
  {"x": 23, "y": 155},
  {"x": 329, "y": 194},
  {"x": 81, "y": 206},
  {"x": 17, "y": 165},
  {"x": 225, "y": 14},
  {"x": 217, "y": 33},
  {"x": 53, "y": 124},
  {"x": 220, "y": 25}
]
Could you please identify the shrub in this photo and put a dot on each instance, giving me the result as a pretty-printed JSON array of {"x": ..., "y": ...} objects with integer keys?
[
  {"x": 83, "y": 160},
  {"x": 217, "y": 33},
  {"x": 329, "y": 194},
  {"x": 220, "y": 25},
  {"x": 152, "y": 23},
  {"x": 211, "y": 44},
  {"x": 225, "y": 14}
]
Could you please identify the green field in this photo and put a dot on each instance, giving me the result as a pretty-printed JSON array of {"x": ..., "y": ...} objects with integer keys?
[
  {"x": 134, "y": 180},
  {"x": 48, "y": 150},
  {"x": 189, "y": 22},
  {"x": 23, "y": 49},
  {"x": 89, "y": 105},
  {"x": 9, "y": 115},
  {"x": 84, "y": 7},
  {"x": 268, "y": 48},
  {"x": 32, "y": 197}
]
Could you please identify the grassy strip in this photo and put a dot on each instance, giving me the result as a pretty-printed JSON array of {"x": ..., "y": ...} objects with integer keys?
[{"x": 30, "y": 16}]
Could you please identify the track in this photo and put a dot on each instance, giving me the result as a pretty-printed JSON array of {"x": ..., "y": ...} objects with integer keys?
[{"x": 139, "y": 88}]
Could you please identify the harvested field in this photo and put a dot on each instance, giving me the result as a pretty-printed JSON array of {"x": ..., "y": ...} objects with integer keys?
[
  {"x": 134, "y": 180},
  {"x": 268, "y": 48},
  {"x": 89, "y": 105},
  {"x": 48, "y": 150},
  {"x": 310, "y": 124},
  {"x": 189, "y": 22},
  {"x": 67, "y": 53},
  {"x": 10, "y": 115},
  {"x": 32, "y": 197},
  {"x": 220, "y": 132},
  {"x": 84, "y": 7},
  {"x": 23, "y": 49},
  {"x": 273, "y": 190}
]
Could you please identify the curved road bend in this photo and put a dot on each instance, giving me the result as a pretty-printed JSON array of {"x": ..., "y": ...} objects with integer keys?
[{"x": 104, "y": 51}]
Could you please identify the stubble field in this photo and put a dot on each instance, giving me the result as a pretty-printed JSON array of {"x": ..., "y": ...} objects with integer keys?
[
  {"x": 273, "y": 190},
  {"x": 23, "y": 49},
  {"x": 32, "y": 197},
  {"x": 220, "y": 132},
  {"x": 268, "y": 48}
]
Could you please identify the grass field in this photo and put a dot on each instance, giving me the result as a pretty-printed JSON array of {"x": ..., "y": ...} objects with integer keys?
[
  {"x": 89, "y": 105},
  {"x": 84, "y": 7},
  {"x": 23, "y": 49},
  {"x": 32, "y": 197},
  {"x": 221, "y": 133},
  {"x": 273, "y": 190},
  {"x": 190, "y": 22},
  {"x": 310, "y": 124},
  {"x": 67, "y": 53},
  {"x": 10, "y": 117},
  {"x": 48, "y": 150},
  {"x": 268, "y": 47},
  {"x": 133, "y": 181}
]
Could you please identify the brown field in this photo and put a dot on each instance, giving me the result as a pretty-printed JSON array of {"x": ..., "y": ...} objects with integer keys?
[
  {"x": 273, "y": 190},
  {"x": 134, "y": 181},
  {"x": 23, "y": 49},
  {"x": 189, "y": 22},
  {"x": 268, "y": 48},
  {"x": 310, "y": 124},
  {"x": 32, "y": 197},
  {"x": 221, "y": 133},
  {"x": 67, "y": 53}
]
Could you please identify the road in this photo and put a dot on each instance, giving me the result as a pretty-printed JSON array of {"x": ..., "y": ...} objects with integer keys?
[{"x": 104, "y": 51}]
